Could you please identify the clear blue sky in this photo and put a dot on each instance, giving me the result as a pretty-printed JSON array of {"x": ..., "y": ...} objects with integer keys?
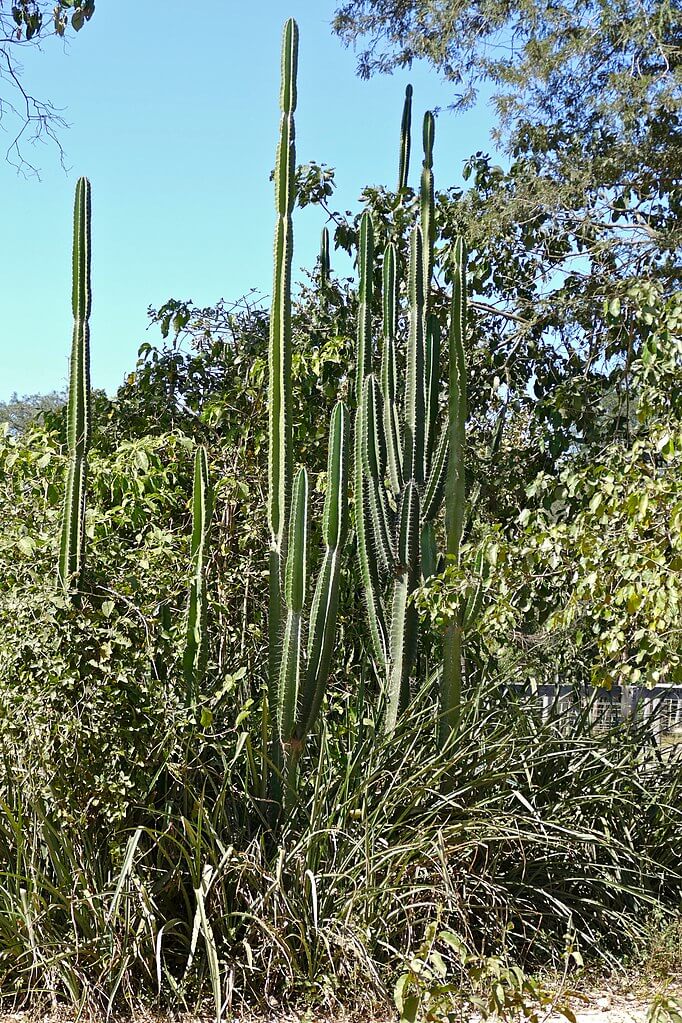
[{"x": 174, "y": 120}]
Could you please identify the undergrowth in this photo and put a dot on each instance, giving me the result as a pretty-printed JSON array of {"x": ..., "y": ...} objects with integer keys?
[{"x": 517, "y": 833}]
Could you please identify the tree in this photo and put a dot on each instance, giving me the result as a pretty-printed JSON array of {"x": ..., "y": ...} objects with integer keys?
[
  {"x": 19, "y": 413},
  {"x": 25, "y": 23},
  {"x": 588, "y": 96}
]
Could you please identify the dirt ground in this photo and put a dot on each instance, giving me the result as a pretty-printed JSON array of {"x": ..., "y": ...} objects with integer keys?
[{"x": 608, "y": 1003}]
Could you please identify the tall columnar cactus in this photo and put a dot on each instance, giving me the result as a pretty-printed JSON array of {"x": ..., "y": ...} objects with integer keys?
[
  {"x": 79, "y": 407},
  {"x": 196, "y": 642},
  {"x": 401, "y": 458},
  {"x": 298, "y": 674},
  {"x": 455, "y": 494},
  {"x": 279, "y": 386},
  {"x": 396, "y": 502},
  {"x": 366, "y": 545},
  {"x": 405, "y": 129}
]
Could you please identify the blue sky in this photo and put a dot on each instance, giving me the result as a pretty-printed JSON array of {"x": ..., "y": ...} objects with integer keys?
[{"x": 174, "y": 120}]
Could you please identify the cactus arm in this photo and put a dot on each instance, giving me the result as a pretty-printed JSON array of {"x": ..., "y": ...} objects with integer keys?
[
  {"x": 435, "y": 484},
  {"x": 432, "y": 373},
  {"x": 474, "y": 603},
  {"x": 404, "y": 155},
  {"x": 404, "y": 619},
  {"x": 388, "y": 385},
  {"x": 71, "y": 551},
  {"x": 455, "y": 493},
  {"x": 369, "y": 573},
  {"x": 369, "y": 577},
  {"x": 325, "y": 265},
  {"x": 73, "y": 533},
  {"x": 196, "y": 642},
  {"x": 294, "y": 597},
  {"x": 427, "y": 214},
  {"x": 374, "y": 468},
  {"x": 323, "y": 613},
  {"x": 364, "y": 327},
  {"x": 413, "y": 458},
  {"x": 429, "y": 552},
  {"x": 279, "y": 355}
]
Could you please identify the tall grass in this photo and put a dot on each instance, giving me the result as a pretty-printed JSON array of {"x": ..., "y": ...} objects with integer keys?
[{"x": 511, "y": 836}]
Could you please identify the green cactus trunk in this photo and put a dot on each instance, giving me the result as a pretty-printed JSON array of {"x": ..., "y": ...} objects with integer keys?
[
  {"x": 405, "y": 131},
  {"x": 325, "y": 263},
  {"x": 294, "y": 597},
  {"x": 279, "y": 383},
  {"x": 196, "y": 641},
  {"x": 297, "y": 677},
  {"x": 455, "y": 494},
  {"x": 323, "y": 613},
  {"x": 71, "y": 553}
]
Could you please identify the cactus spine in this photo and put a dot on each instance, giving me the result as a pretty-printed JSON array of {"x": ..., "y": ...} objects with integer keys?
[
  {"x": 79, "y": 407},
  {"x": 196, "y": 642},
  {"x": 451, "y": 684}
]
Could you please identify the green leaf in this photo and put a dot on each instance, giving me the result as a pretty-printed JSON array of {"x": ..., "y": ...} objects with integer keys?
[{"x": 26, "y": 546}]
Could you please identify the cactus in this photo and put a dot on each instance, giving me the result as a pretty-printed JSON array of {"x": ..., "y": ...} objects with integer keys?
[
  {"x": 279, "y": 384},
  {"x": 294, "y": 597},
  {"x": 396, "y": 539},
  {"x": 401, "y": 543},
  {"x": 297, "y": 677},
  {"x": 325, "y": 264},
  {"x": 323, "y": 612},
  {"x": 196, "y": 643},
  {"x": 455, "y": 495},
  {"x": 366, "y": 546},
  {"x": 71, "y": 553},
  {"x": 302, "y": 688},
  {"x": 405, "y": 127}
]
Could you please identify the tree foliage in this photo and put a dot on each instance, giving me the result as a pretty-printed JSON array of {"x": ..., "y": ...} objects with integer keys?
[
  {"x": 19, "y": 412},
  {"x": 588, "y": 205},
  {"x": 25, "y": 117}
]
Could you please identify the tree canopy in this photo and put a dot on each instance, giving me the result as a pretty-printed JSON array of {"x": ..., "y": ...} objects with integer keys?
[{"x": 584, "y": 218}]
